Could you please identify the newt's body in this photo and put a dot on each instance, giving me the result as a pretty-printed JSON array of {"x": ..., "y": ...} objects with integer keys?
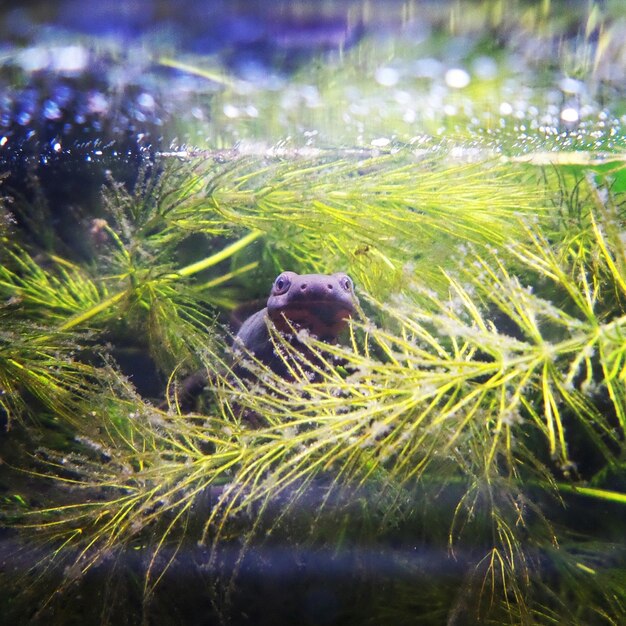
[{"x": 318, "y": 303}]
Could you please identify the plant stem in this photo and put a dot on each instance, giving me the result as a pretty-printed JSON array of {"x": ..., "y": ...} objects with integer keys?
[
  {"x": 602, "y": 494},
  {"x": 93, "y": 311},
  {"x": 198, "y": 71},
  {"x": 219, "y": 256}
]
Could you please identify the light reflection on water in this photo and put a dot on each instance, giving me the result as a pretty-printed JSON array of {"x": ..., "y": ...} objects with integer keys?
[{"x": 388, "y": 76}]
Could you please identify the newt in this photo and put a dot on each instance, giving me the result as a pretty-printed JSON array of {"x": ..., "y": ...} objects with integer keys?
[{"x": 320, "y": 304}]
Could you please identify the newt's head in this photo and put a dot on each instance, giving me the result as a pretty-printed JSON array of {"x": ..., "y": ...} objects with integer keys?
[{"x": 319, "y": 303}]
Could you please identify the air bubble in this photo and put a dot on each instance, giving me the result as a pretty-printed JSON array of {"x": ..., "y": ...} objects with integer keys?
[
  {"x": 24, "y": 118},
  {"x": 569, "y": 114},
  {"x": 97, "y": 103},
  {"x": 230, "y": 111},
  {"x": 51, "y": 110},
  {"x": 571, "y": 86},
  {"x": 381, "y": 142},
  {"x": 457, "y": 78},
  {"x": 387, "y": 76}
]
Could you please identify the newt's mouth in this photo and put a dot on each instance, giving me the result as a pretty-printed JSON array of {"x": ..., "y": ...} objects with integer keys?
[{"x": 320, "y": 319}]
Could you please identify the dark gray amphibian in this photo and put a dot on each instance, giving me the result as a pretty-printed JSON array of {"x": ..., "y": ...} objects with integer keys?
[{"x": 320, "y": 304}]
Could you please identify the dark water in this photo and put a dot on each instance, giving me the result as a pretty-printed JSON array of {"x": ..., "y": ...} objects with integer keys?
[{"x": 85, "y": 94}]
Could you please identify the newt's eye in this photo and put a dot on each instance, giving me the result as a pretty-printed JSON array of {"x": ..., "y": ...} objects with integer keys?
[
  {"x": 346, "y": 282},
  {"x": 281, "y": 285}
]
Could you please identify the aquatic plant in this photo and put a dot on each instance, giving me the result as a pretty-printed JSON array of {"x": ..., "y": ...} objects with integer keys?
[{"x": 475, "y": 394}]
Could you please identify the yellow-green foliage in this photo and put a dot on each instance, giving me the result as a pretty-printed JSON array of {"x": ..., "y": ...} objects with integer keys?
[
  {"x": 376, "y": 215},
  {"x": 472, "y": 368}
]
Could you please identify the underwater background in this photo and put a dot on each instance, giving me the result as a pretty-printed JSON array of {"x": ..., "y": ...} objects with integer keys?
[{"x": 458, "y": 457}]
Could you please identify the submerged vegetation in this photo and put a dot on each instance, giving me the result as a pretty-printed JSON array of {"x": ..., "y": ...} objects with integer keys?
[
  {"x": 459, "y": 456},
  {"x": 477, "y": 402}
]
